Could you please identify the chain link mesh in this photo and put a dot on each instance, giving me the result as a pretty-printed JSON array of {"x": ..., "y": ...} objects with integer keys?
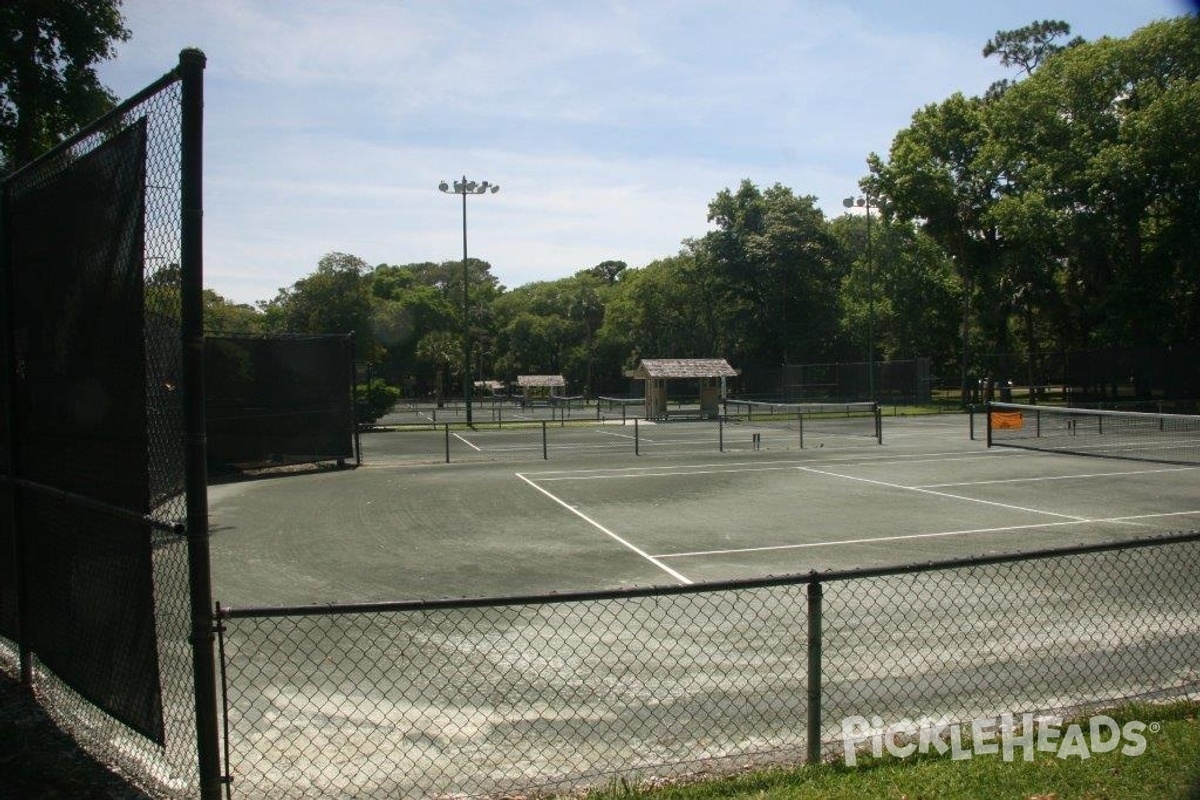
[
  {"x": 169, "y": 767},
  {"x": 475, "y": 699}
]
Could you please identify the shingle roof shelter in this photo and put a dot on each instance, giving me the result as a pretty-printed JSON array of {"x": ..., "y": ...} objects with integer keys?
[
  {"x": 657, "y": 371},
  {"x": 540, "y": 387}
]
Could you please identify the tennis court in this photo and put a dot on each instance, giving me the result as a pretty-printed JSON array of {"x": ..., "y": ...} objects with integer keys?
[
  {"x": 370, "y": 696},
  {"x": 680, "y": 512}
]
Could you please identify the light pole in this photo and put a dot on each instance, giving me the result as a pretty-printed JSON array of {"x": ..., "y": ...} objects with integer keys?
[
  {"x": 465, "y": 187},
  {"x": 864, "y": 202}
]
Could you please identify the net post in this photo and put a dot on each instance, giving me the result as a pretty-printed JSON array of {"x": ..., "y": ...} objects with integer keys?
[
  {"x": 800, "y": 425},
  {"x": 987, "y": 412},
  {"x": 545, "y": 449},
  {"x": 636, "y": 442},
  {"x": 813, "y": 737},
  {"x": 720, "y": 433},
  {"x": 878, "y": 423},
  {"x": 446, "y": 428}
]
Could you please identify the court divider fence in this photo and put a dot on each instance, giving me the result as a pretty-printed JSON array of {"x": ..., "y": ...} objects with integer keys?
[
  {"x": 485, "y": 697},
  {"x": 567, "y": 430}
]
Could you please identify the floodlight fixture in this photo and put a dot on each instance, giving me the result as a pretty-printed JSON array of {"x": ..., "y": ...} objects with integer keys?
[
  {"x": 464, "y": 188},
  {"x": 866, "y": 202}
]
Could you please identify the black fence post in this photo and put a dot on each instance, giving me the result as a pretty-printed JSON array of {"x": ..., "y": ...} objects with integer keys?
[
  {"x": 191, "y": 71},
  {"x": 813, "y": 740},
  {"x": 25, "y": 652}
]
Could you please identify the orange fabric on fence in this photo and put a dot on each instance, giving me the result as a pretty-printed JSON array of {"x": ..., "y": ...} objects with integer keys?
[{"x": 1007, "y": 420}]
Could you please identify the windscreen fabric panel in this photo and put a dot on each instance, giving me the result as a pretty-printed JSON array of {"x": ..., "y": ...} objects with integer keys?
[
  {"x": 79, "y": 399},
  {"x": 278, "y": 399}
]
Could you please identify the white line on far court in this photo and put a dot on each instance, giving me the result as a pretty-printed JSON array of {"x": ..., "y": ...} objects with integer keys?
[
  {"x": 468, "y": 444},
  {"x": 908, "y": 536},
  {"x": 676, "y": 575},
  {"x": 888, "y": 485},
  {"x": 868, "y": 540}
]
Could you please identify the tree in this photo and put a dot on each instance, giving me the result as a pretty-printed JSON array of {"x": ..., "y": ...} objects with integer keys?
[
  {"x": 334, "y": 299},
  {"x": 1027, "y": 47},
  {"x": 48, "y": 83},
  {"x": 777, "y": 274},
  {"x": 225, "y": 316}
]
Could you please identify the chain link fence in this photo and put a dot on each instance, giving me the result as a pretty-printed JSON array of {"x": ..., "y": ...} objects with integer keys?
[
  {"x": 102, "y": 555},
  {"x": 507, "y": 433},
  {"x": 540, "y": 694}
]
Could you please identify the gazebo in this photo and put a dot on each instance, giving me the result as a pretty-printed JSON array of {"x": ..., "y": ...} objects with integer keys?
[
  {"x": 707, "y": 371},
  {"x": 543, "y": 388}
]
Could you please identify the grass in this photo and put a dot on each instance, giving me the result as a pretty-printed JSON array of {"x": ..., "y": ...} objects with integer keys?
[{"x": 1169, "y": 768}]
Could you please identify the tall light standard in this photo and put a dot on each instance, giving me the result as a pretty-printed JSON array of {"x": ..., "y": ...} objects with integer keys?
[
  {"x": 864, "y": 202},
  {"x": 465, "y": 187}
]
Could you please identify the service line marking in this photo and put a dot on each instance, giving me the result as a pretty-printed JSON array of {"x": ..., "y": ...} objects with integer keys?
[{"x": 615, "y": 537}]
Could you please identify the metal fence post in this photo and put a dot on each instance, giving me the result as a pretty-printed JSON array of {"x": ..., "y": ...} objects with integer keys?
[
  {"x": 720, "y": 433},
  {"x": 545, "y": 449},
  {"x": 191, "y": 69},
  {"x": 24, "y": 650},
  {"x": 636, "y": 444},
  {"x": 814, "y": 672},
  {"x": 446, "y": 426}
]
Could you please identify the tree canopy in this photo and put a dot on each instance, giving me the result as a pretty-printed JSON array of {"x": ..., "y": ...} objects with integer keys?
[
  {"x": 48, "y": 83},
  {"x": 1055, "y": 212}
]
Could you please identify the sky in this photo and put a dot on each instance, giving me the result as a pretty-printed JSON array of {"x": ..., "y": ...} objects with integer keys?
[{"x": 609, "y": 125}]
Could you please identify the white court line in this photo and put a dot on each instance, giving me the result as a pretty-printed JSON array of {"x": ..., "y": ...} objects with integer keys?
[
  {"x": 676, "y": 575},
  {"x": 908, "y": 536},
  {"x": 757, "y": 466},
  {"x": 1008, "y": 506},
  {"x": 1081, "y": 476},
  {"x": 468, "y": 444},
  {"x": 868, "y": 540}
]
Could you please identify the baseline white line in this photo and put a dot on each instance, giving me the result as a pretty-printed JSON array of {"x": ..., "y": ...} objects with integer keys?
[
  {"x": 857, "y": 459},
  {"x": 1056, "y": 477},
  {"x": 468, "y": 444},
  {"x": 907, "y": 536},
  {"x": 1152, "y": 516},
  {"x": 676, "y": 575},
  {"x": 898, "y": 538},
  {"x": 1009, "y": 506}
]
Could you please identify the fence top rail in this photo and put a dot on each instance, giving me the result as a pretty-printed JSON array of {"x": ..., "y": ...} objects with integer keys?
[
  {"x": 1088, "y": 412},
  {"x": 334, "y": 609},
  {"x": 101, "y": 122}
]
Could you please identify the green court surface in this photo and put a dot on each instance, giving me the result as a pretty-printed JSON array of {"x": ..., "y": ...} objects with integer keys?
[{"x": 588, "y": 519}]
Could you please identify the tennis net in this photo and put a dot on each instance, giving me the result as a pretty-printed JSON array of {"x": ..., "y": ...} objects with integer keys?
[
  {"x": 811, "y": 420},
  {"x": 1166, "y": 438}
]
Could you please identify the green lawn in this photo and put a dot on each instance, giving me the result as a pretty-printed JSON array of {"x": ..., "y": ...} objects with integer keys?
[{"x": 1168, "y": 768}]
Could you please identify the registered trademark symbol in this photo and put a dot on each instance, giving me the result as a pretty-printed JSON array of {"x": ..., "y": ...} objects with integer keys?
[{"x": 1155, "y": 727}]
